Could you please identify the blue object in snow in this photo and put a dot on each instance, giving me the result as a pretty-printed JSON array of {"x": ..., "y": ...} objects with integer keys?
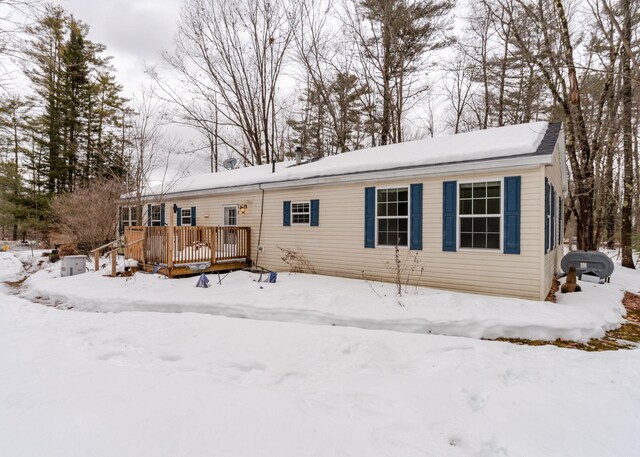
[
  {"x": 155, "y": 269},
  {"x": 272, "y": 277},
  {"x": 203, "y": 281}
]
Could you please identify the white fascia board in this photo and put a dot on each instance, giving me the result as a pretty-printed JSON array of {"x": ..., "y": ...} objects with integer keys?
[
  {"x": 431, "y": 170},
  {"x": 563, "y": 163}
]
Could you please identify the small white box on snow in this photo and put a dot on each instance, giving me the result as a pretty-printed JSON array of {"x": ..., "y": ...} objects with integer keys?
[{"x": 73, "y": 265}]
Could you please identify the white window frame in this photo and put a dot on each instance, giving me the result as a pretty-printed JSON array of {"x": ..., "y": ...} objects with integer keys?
[
  {"x": 459, "y": 216},
  {"x": 182, "y": 216},
  {"x": 308, "y": 213},
  {"x": 159, "y": 220},
  {"x": 128, "y": 221},
  {"x": 375, "y": 209},
  {"x": 224, "y": 207}
]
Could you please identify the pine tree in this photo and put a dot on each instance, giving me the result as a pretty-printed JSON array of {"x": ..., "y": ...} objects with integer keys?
[
  {"x": 14, "y": 117},
  {"x": 45, "y": 69},
  {"x": 347, "y": 92}
]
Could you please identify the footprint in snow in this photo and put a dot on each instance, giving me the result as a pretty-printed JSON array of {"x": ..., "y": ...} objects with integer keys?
[
  {"x": 323, "y": 404},
  {"x": 403, "y": 440},
  {"x": 117, "y": 358}
]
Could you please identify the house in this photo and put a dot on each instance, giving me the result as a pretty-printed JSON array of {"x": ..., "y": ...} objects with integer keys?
[{"x": 476, "y": 212}]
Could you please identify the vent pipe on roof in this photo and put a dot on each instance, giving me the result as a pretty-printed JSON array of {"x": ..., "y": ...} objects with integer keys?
[{"x": 298, "y": 155}]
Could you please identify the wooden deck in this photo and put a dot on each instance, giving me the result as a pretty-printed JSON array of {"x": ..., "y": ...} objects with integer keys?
[{"x": 179, "y": 251}]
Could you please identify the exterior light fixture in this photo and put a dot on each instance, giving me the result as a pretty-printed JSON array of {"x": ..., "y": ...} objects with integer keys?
[{"x": 243, "y": 208}]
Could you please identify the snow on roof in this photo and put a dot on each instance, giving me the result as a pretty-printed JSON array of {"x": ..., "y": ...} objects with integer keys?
[{"x": 501, "y": 142}]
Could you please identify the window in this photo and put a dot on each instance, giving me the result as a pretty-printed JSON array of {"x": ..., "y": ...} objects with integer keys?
[
  {"x": 129, "y": 216},
  {"x": 300, "y": 213},
  {"x": 392, "y": 213},
  {"x": 185, "y": 216},
  {"x": 480, "y": 215},
  {"x": 156, "y": 215}
]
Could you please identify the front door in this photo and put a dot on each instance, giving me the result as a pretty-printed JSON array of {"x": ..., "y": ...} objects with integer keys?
[
  {"x": 231, "y": 216},
  {"x": 230, "y": 219}
]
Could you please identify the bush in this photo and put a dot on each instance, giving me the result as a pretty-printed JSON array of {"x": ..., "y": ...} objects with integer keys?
[{"x": 90, "y": 214}]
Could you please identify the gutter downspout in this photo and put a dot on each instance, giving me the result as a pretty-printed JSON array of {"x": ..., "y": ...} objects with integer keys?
[{"x": 260, "y": 228}]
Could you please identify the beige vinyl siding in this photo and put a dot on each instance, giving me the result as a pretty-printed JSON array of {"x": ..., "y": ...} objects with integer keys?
[
  {"x": 552, "y": 259},
  {"x": 336, "y": 247},
  {"x": 209, "y": 210}
]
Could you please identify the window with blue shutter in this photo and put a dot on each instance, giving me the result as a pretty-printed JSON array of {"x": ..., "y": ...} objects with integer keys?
[
  {"x": 315, "y": 213},
  {"x": 512, "y": 214},
  {"x": 149, "y": 215},
  {"x": 449, "y": 215},
  {"x": 546, "y": 214},
  {"x": 162, "y": 215},
  {"x": 415, "y": 237},
  {"x": 193, "y": 216},
  {"x": 179, "y": 217},
  {"x": 286, "y": 213},
  {"x": 370, "y": 217}
]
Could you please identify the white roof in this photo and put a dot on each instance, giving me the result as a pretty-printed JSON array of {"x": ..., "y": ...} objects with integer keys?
[{"x": 501, "y": 142}]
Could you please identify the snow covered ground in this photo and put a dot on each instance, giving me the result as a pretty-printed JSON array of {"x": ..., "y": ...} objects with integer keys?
[
  {"x": 11, "y": 268},
  {"x": 165, "y": 384},
  {"x": 347, "y": 302}
]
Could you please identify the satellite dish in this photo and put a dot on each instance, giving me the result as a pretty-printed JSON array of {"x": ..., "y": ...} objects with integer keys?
[{"x": 230, "y": 163}]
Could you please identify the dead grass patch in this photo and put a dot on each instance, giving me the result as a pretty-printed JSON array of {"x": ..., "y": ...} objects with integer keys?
[
  {"x": 625, "y": 337},
  {"x": 555, "y": 286}
]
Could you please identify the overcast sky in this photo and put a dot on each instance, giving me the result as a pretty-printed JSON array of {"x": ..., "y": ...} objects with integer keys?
[{"x": 134, "y": 32}]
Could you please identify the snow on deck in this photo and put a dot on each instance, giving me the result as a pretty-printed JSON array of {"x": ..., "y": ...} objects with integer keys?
[
  {"x": 325, "y": 300},
  {"x": 513, "y": 140}
]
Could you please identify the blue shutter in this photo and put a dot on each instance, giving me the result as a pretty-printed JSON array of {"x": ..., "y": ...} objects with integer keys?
[
  {"x": 546, "y": 214},
  {"x": 560, "y": 221},
  {"x": 162, "y": 215},
  {"x": 416, "y": 217},
  {"x": 120, "y": 224},
  {"x": 179, "y": 217},
  {"x": 512, "y": 215},
  {"x": 449, "y": 192},
  {"x": 315, "y": 213},
  {"x": 193, "y": 216},
  {"x": 286, "y": 214},
  {"x": 370, "y": 217},
  {"x": 148, "y": 214},
  {"x": 553, "y": 218}
]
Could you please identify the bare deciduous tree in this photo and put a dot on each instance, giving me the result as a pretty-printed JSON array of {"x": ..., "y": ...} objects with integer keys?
[
  {"x": 232, "y": 55},
  {"x": 89, "y": 214},
  {"x": 393, "y": 39}
]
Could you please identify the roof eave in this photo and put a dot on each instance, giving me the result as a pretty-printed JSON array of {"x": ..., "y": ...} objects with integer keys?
[{"x": 525, "y": 161}]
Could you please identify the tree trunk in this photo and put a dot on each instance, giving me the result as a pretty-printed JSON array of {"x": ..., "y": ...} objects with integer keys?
[{"x": 626, "y": 225}]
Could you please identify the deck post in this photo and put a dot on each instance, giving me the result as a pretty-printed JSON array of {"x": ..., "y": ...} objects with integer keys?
[
  {"x": 248, "y": 234},
  {"x": 214, "y": 237},
  {"x": 170, "y": 240},
  {"x": 114, "y": 256},
  {"x": 96, "y": 260},
  {"x": 144, "y": 247}
]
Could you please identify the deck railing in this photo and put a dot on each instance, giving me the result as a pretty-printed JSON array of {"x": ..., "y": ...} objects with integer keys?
[{"x": 175, "y": 246}]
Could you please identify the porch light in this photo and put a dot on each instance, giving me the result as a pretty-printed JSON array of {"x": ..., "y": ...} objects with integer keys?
[{"x": 243, "y": 208}]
